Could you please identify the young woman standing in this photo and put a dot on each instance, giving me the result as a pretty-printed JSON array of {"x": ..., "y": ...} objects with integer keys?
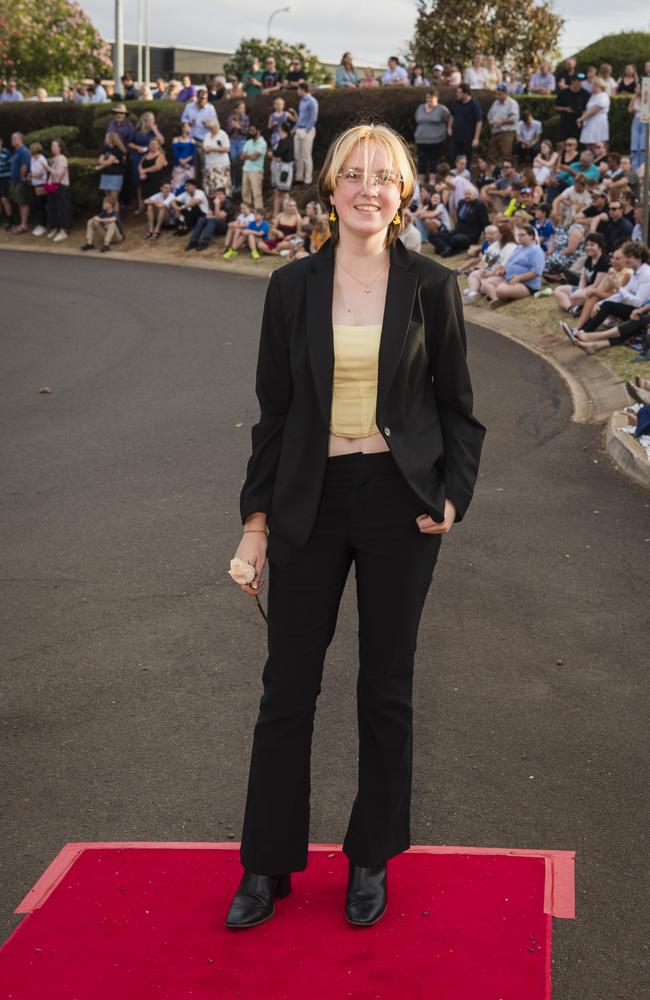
[{"x": 366, "y": 451}]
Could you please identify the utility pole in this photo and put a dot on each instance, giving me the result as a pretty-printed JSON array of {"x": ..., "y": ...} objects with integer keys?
[
  {"x": 139, "y": 16},
  {"x": 645, "y": 117},
  {"x": 147, "y": 50},
  {"x": 118, "y": 54}
]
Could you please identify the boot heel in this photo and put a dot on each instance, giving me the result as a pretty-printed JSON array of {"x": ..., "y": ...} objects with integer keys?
[{"x": 283, "y": 888}]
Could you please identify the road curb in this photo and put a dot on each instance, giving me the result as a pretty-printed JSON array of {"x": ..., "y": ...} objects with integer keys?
[{"x": 625, "y": 450}]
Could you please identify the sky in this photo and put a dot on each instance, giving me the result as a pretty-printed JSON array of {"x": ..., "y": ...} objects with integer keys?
[{"x": 377, "y": 31}]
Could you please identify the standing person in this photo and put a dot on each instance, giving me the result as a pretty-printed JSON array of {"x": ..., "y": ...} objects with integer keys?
[
  {"x": 145, "y": 131},
  {"x": 18, "y": 175},
  {"x": 11, "y": 94},
  {"x": 253, "y": 156},
  {"x": 5, "y": 183},
  {"x": 335, "y": 487},
  {"x": 346, "y": 75},
  {"x": 565, "y": 75},
  {"x": 282, "y": 168},
  {"x": 465, "y": 123},
  {"x": 216, "y": 150},
  {"x": 628, "y": 81},
  {"x": 271, "y": 77},
  {"x": 502, "y": 117},
  {"x": 296, "y": 75},
  {"x": 57, "y": 186},
  {"x": 37, "y": 178},
  {"x": 475, "y": 76},
  {"x": 279, "y": 116},
  {"x": 638, "y": 130},
  {"x": 237, "y": 126},
  {"x": 304, "y": 133},
  {"x": 183, "y": 157},
  {"x": 187, "y": 91},
  {"x": 493, "y": 73},
  {"x": 431, "y": 120},
  {"x": 529, "y": 134},
  {"x": 594, "y": 120},
  {"x": 542, "y": 80},
  {"x": 111, "y": 166},
  {"x": 199, "y": 113},
  {"x": 252, "y": 78},
  {"x": 369, "y": 79},
  {"x": 571, "y": 101}
]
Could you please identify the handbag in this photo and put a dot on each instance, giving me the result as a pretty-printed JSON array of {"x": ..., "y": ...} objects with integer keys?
[{"x": 51, "y": 187}]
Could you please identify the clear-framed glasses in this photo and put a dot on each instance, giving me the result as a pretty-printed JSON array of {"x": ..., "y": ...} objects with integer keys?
[{"x": 355, "y": 176}]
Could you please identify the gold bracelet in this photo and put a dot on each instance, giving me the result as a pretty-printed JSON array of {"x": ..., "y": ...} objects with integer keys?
[{"x": 247, "y": 530}]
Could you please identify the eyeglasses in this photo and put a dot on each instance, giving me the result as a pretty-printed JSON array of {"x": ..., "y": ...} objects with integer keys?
[{"x": 354, "y": 176}]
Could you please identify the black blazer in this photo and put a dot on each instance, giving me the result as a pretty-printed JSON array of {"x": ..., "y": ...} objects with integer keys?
[{"x": 424, "y": 394}]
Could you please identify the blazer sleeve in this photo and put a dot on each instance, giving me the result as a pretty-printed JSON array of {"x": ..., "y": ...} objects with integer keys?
[
  {"x": 274, "y": 390},
  {"x": 462, "y": 433}
]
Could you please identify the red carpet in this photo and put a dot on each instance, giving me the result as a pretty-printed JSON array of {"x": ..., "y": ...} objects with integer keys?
[{"x": 141, "y": 921}]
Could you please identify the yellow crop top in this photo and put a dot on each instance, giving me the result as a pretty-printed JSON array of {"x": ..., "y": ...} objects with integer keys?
[{"x": 354, "y": 390}]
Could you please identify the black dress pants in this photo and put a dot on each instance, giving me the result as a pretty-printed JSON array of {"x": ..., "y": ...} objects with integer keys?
[
  {"x": 619, "y": 309},
  {"x": 367, "y": 516}
]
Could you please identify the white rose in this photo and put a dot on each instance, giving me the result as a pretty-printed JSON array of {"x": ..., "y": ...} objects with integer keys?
[{"x": 240, "y": 571}]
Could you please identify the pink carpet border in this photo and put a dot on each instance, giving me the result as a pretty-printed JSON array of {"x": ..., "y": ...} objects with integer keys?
[{"x": 559, "y": 884}]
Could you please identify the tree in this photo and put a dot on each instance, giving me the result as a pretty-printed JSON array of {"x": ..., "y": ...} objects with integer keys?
[
  {"x": 518, "y": 34},
  {"x": 42, "y": 41},
  {"x": 283, "y": 52}
]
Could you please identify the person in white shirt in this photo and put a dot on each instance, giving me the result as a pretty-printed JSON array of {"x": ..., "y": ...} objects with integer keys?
[
  {"x": 502, "y": 118},
  {"x": 99, "y": 95},
  {"x": 410, "y": 235},
  {"x": 160, "y": 209},
  {"x": 476, "y": 75},
  {"x": 37, "y": 178},
  {"x": 199, "y": 114},
  {"x": 542, "y": 81},
  {"x": 189, "y": 205},
  {"x": 395, "y": 75},
  {"x": 529, "y": 133}
]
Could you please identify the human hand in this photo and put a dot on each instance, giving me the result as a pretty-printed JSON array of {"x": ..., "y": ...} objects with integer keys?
[
  {"x": 252, "y": 550},
  {"x": 428, "y": 526}
]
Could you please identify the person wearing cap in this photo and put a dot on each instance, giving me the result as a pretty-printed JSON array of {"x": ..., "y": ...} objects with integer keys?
[
  {"x": 438, "y": 77},
  {"x": 502, "y": 119},
  {"x": 120, "y": 123}
]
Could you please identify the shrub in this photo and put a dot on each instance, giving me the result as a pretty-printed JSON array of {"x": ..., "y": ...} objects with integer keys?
[
  {"x": 84, "y": 185},
  {"x": 69, "y": 134},
  {"x": 618, "y": 49}
]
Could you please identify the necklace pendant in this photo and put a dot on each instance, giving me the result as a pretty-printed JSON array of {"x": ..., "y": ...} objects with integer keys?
[{"x": 366, "y": 290}]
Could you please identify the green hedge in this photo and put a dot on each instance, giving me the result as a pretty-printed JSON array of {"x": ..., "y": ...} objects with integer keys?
[
  {"x": 337, "y": 108},
  {"x": 68, "y": 134},
  {"x": 617, "y": 50}
]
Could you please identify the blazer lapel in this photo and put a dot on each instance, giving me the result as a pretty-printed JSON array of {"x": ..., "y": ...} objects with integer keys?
[{"x": 400, "y": 293}]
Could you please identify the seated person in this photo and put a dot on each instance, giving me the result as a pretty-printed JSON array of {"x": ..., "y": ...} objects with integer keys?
[
  {"x": 543, "y": 225},
  {"x": 636, "y": 326},
  {"x": 189, "y": 206},
  {"x": 432, "y": 216},
  {"x": 483, "y": 254},
  {"x": 529, "y": 134},
  {"x": 573, "y": 200},
  {"x": 498, "y": 195},
  {"x": 545, "y": 163},
  {"x": 472, "y": 220},
  {"x": 107, "y": 224},
  {"x": 213, "y": 223},
  {"x": 245, "y": 217},
  {"x": 410, "y": 234},
  {"x": 522, "y": 275},
  {"x": 614, "y": 226},
  {"x": 160, "y": 211},
  {"x": 460, "y": 167},
  {"x": 572, "y": 297},
  {"x": 497, "y": 255},
  {"x": 631, "y": 296},
  {"x": 254, "y": 234},
  {"x": 286, "y": 229}
]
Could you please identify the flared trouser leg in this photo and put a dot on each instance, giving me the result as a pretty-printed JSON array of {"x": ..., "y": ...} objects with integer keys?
[{"x": 367, "y": 514}]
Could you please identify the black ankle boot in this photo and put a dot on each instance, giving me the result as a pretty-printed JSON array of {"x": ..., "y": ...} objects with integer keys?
[
  {"x": 365, "y": 902},
  {"x": 253, "y": 902}
]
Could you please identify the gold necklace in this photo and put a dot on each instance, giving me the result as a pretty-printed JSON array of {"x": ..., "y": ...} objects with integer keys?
[{"x": 364, "y": 284}]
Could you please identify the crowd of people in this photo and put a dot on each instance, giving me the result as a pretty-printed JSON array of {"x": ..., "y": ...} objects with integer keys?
[{"x": 534, "y": 217}]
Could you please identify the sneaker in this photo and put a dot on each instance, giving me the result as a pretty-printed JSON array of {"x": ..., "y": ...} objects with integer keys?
[
  {"x": 87, "y": 246},
  {"x": 471, "y": 297},
  {"x": 543, "y": 293},
  {"x": 61, "y": 235},
  {"x": 202, "y": 246},
  {"x": 255, "y": 254},
  {"x": 39, "y": 231},
  {"x": 155, "y": 236},
  {"x": 230, "y": 253},
  {"x": 52, "y": 233},
  {"x": 104, "y": 248},
  {"x": 569, "y": 330},
  {"x": 575, "y": 311},
  {"x": 190, "y": 246},
  {"x": 147, "y": 236}
]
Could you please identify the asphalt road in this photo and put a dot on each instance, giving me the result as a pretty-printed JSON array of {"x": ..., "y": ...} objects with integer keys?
[{"x": 131, "y": 665}]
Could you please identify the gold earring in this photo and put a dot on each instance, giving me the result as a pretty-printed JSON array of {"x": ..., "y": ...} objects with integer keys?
[
  {"x": 396, "y": 220},
  {"x": 333, "y": 215}
]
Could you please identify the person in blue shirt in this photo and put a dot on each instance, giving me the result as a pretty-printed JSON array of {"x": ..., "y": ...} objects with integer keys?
[
  {"x": 253, "y": 235},
  {"x": 304, "y": 133},
  {"x": 5, "y": 183},
  {"x": 19, "y": 185},
  {"x": 522, "y": 275},
  {"x": 543, "y": 226}
]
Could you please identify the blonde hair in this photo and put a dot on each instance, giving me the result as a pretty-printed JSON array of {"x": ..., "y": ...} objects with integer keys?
[{"x": 391, "y": 143}]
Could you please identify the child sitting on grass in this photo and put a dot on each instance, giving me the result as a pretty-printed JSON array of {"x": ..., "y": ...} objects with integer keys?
[
  {"x": 245, "y": 217},
  {"x": 254, "y": 234}
]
